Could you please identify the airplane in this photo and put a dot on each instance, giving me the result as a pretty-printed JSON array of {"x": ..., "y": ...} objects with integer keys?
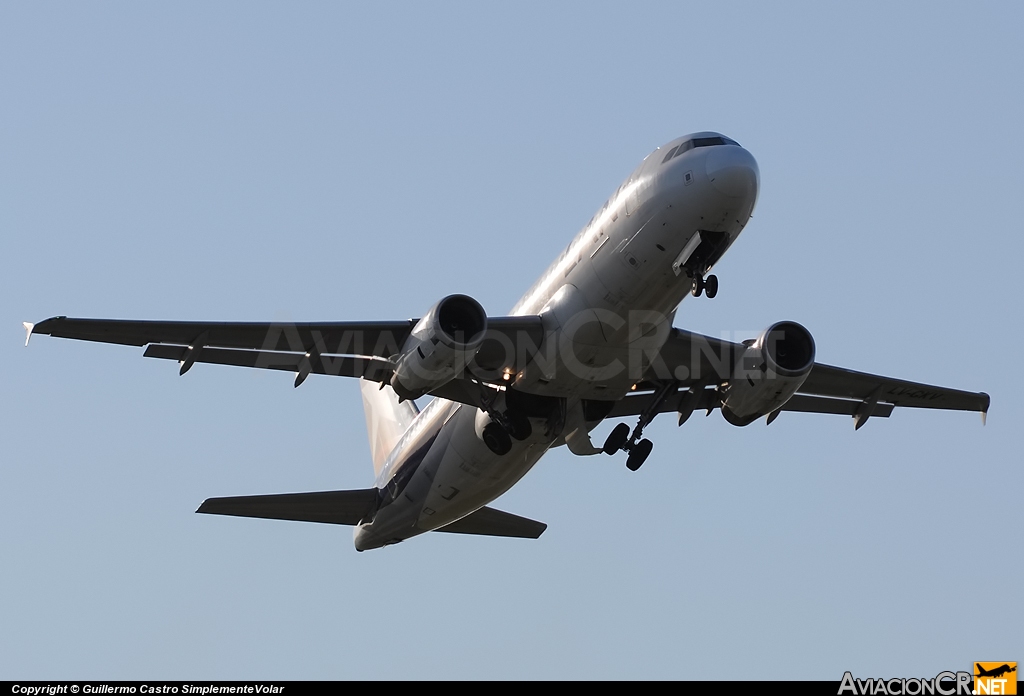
[
  {"x": 592, "y": 340},
  {"x": 995, "y": 672}
]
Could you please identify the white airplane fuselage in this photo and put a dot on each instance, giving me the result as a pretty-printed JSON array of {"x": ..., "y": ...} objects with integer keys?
[{"x": 611, "y": 295}]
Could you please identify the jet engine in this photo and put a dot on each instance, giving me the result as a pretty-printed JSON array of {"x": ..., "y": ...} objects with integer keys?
[
  {"x": 769, "y": 371},
  {"x": 440, "y": 346}
]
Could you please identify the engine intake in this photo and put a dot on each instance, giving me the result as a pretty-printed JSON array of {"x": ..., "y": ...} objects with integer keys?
[
  {"x": 440, "y": 346},
  {"x": 768, "y": 373}
]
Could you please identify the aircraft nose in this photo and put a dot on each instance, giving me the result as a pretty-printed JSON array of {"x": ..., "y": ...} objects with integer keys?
[{"x": 732, "y": 171}]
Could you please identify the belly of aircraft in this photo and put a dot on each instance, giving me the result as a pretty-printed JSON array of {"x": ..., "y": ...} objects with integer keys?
[{"x": 456, "y": 477}]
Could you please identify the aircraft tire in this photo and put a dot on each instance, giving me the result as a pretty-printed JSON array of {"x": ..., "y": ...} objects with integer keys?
[
  {"x": 519, "y": 426},
  {"x": 638, "y": 455},
  {"x": 616, "y": 438},
  {"x": 496, "y": 439},
  {"x": 698, "y": 286},
  {"x": 711, "y": 286}
]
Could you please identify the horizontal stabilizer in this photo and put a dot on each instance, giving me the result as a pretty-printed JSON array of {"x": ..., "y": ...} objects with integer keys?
[
  {"x": 331, "y": 507},
  {"x": 491, "y": 522}
]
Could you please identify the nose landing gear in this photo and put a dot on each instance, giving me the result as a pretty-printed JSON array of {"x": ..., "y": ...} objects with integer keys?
[
  {"x": 711, "y": 286},
  {"x": 708, "y": 285}
]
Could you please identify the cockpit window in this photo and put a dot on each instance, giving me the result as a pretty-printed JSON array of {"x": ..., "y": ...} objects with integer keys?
[{"x": 697, "y": 142}]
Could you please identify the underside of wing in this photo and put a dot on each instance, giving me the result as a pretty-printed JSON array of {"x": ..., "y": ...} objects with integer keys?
[
  {"x": 348, "y": 349},
  {"x": 838, "y": 382},
  {"x": 702, "y": 372},
  {"x": 699, "y": 368},
  {"x": 373, "y": 369}
]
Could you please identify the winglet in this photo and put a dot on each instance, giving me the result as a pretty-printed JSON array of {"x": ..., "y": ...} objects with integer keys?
[
  {"x": 28, "y": 331},
  {"x": 984, "y": 411}
]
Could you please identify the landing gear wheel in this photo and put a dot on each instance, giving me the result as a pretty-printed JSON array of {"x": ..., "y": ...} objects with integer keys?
[
  {"x": 698, "y": 286},
  {"x": 638, "y": 454},
  {"x": 616, "y": 439},
  {"x": 519, "y": 426},
  {"x": 496, "y": 439},
  {"x": 711, "y": 286}
]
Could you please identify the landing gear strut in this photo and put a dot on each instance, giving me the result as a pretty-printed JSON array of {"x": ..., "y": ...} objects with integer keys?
[{"x": 621, "y": 439}]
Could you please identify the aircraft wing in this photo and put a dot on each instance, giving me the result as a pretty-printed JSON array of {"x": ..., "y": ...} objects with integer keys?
[
  {"x": 349, "y": 349},
  {"x": 363, "y": 349},
  {"x": 699, "y": 363},
  {"x": 847, "y": 384}
]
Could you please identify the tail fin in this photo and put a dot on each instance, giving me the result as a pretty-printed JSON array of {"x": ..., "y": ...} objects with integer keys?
[{"x": 386, "y": 419}]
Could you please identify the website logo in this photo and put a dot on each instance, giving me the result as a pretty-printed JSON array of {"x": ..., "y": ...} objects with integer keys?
[
  {"x": 995, "y": 678},
  {"x": 943, "y": 684},
  {"x": 988, "y": 679}
]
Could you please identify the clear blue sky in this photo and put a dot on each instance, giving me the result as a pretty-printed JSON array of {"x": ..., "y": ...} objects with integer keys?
[{"x": 334, "y": 161}]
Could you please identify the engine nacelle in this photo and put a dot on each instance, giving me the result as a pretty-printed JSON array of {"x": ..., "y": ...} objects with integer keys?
[
  {"x": 768, "y": 373},
  {"x": 440, "y": 346}
]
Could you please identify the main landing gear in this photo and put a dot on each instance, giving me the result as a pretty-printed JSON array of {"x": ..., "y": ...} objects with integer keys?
[
  {"x": 504, "y": 426},
  {"x": 621, "y": 439},
  {"x": 708, "y": 286},
  {"x": 499, "y": 433}
]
